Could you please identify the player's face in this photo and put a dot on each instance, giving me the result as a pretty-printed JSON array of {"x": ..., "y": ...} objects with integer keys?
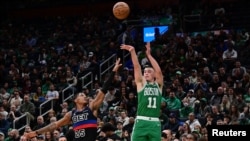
[
  {"x": 149, "y": 74},
  {"x": 82, "y": 98}
]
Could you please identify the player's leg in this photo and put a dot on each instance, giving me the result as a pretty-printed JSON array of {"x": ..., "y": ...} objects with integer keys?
[
  {"x": 156, "y": 134},
  {"x": 138, "y": 133}
]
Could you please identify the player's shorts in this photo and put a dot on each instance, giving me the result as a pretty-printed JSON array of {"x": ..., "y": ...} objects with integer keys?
[{"x": 146, "y": 129}]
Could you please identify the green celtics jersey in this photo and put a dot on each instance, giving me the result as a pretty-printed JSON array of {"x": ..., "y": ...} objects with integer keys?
[{"x": 149, "y": 100}]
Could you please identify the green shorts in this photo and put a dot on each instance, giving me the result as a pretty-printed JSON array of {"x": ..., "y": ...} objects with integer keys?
[{"x": 146, "y": 129}]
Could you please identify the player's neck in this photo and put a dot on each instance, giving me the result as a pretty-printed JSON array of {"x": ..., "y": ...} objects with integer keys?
[
  {"x": 80, "y": 107},
  {"x": 150, "y": 81}
]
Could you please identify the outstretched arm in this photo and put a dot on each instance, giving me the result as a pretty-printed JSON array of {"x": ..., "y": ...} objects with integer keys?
[
  {"x": 155, "y": 65},
  {"x": 95, "y": 104},
  {"x": 137, "y": 66},
  {"x": 51, "y": 127}
]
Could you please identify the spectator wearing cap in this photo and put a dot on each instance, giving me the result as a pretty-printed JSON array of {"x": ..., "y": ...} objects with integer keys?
[
  {"x": 190, "y": 97},
  {"x": 110, "y": 116},
  {"x": 179, "y": 76},
  {"x": 2, "y": 136},
  {"x": 202, "y": 62},
  {"x": 109, "y": 131},
  {"x": 173, "y": 123}
]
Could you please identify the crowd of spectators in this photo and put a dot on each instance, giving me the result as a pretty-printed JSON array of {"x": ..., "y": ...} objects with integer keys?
[{"x": 206, "y": 77}]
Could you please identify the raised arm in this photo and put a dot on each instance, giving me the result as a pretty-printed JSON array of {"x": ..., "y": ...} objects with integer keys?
[
  {"x": 155, "y": 65},
  {"x": 96, "y": 103},
  {"x": 137, "y": 66},
  {"x": 51, "y": 127}
]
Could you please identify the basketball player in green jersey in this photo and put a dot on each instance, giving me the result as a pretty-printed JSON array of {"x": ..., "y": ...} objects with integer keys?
[{"x": 149, "y": 85}]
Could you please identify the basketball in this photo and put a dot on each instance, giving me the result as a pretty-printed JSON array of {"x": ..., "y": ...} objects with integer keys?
[{"x": 121, "y": 10}]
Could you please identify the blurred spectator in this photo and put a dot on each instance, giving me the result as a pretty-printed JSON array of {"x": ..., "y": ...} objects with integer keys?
[
  {"x": 202, "y": 108},
  {"x": 109, "y": 131},
  {"x": 110, "y": 116},
  {"x": 172, "y": 102},
  {"x": 172, "y": 124},
  {"x": 38, "y": 97},
  {"x": 217, "y": 97},
  {"x": 186, "y": 109},
  {"x": 2, "y": 136},
  {"x": 4, "y": 124},
  {"x": 123, "y": 118},
  {"x": 167, "y": 135},
  {"x": 193, "y": 77},
  {"x": 225, "y": 105},
  {"x": 16, "y": 97},
  {"x": 28, "y": 107},
  {"x": 4, "y": 94},
  {"x": 52, "y": 93},
  {"x": 230, "y": 55},
  {"x": 163, "y": 118},
  {"x": 131, "y": 104},
  {"x": 3, "y": 112},
  {"x": 216, "y": 113},
  {"x": 113, "y": 97},
  {"x": 14, "y": 114},
  {"x": 187, "y": 84},
  {"x": 192, "y": 121},
  {"x": 119, "y": 130},
  {"x": 39, "y": 123},
  {"x": 183, "y": 129}
]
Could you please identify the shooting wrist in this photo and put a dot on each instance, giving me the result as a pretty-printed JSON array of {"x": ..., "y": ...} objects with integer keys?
[{"x": 107, "y": 83}]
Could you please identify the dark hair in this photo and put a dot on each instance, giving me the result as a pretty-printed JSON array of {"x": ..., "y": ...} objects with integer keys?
[
  {"x": 108, "y": 127},
  {"x": 164, "y": 135}
]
